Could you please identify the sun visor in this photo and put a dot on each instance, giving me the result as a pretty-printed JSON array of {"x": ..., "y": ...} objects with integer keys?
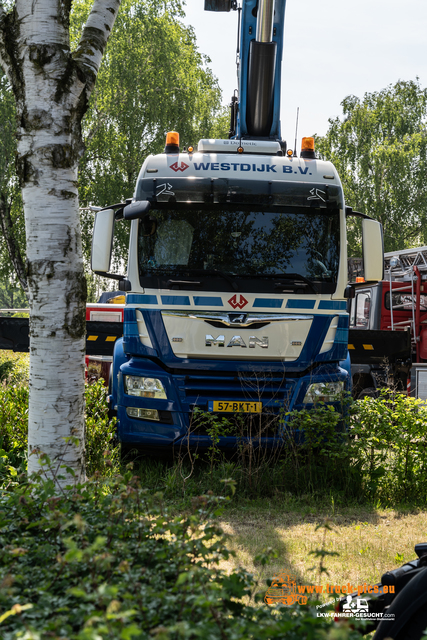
[{"x": 222, "y": 191}]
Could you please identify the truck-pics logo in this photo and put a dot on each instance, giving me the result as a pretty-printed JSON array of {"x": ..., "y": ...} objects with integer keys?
[
  {"x": 283, "y": 590},
  {"x": 179, "y": 167},
  {"x": 238, "y": 303}
]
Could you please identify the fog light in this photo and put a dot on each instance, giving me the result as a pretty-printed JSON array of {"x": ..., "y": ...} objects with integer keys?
[{"x": 143, "y": 414}]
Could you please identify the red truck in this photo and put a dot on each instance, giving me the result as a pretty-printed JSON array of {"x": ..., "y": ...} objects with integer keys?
[
  {"x": 109, "y": 308},
  {"x": 388, "y": 327}
]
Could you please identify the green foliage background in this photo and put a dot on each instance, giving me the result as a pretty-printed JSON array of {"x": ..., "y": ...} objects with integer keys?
[{"x": 379, "y": 148}]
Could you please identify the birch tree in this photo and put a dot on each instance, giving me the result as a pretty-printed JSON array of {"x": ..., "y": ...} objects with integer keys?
[{"x": 52, "y": 85}]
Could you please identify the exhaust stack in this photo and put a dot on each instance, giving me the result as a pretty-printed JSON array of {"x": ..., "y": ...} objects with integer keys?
[{"x": 262, "y": 66}]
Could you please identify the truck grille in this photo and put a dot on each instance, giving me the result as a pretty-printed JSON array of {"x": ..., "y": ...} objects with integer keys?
[{"x": 274, "y": 390}]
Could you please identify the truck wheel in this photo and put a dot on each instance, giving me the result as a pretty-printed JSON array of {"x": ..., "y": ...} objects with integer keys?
[
  {"x": 414, "y": 628},
  {"x": 369, "y": 392},
  {"x": 125, "y": 450},
  {"x": 128, "y": 452}
]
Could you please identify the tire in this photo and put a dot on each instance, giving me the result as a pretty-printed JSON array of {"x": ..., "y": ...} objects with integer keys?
[
  {"x": 128, "y": 452},
  {"x": 415, "y": 627},
  {"x": 125, "y": 450},
  {"x": 369, "y": 392}
]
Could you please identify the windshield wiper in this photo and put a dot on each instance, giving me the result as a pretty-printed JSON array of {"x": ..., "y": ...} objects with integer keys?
[
  {"x": 215, "y": 272},
  {"x": 182, "y": 283},
  {"x": 287, "y": 276},
  {"x": 292, "y": 276}
]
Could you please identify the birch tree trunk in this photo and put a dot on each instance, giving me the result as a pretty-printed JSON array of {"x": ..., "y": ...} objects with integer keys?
[{"x": 52, "y": 86}]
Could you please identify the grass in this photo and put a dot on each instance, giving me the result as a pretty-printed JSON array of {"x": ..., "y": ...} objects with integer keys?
[
  {"x": 368, "y": 541},
  {"x": 21, "y": 365}
]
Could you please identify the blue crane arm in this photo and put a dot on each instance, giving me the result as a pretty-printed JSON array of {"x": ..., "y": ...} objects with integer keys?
[{"x": 256, "y": 109}]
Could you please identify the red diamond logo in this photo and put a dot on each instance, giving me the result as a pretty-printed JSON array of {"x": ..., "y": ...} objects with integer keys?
[
  {"x": 179, "y": 167},
  {"x": 238, "y": 303}
]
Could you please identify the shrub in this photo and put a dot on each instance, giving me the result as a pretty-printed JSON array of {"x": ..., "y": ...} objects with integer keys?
[
  {"x": 391, "y": 447},
  {"x": 101, "y": 446},
  {"x": 311, "y": 457},
  {"x": 13, "y": 431},
  {"x": 108, "y": 561},
  {"x": 102, "y": 453},
  {"x": 14, "y": 367}
]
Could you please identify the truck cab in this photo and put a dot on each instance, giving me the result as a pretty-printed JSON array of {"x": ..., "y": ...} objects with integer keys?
[{"x": 381, "y": 349}]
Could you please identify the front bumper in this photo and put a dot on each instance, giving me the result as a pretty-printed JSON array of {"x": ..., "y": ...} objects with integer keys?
[{"x": 181, "y": 421}]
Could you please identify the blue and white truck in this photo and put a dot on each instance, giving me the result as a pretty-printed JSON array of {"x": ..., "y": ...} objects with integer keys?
[{"x": 236, "y": 285}]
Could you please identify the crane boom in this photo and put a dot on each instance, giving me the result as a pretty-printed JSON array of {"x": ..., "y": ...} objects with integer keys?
[{"x": 256, "y": 112}]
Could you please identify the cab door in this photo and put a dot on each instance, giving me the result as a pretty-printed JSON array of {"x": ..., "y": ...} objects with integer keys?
[{"x": 360, "y": 313}]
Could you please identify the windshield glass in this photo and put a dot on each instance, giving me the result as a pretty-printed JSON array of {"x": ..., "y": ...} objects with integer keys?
[{"x": 240, "y": 242}]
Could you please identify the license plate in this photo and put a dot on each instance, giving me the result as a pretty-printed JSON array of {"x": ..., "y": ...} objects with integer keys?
[{"x": 226, "y": 406}]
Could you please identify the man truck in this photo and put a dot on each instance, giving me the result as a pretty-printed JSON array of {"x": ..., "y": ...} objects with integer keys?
[{"x": 236, "y": 285}]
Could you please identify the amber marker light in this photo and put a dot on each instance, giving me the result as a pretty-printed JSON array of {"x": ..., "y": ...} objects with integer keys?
[
  {"x": 289, "y": 153},
  {"x": 172, "y": 142},
  {"x": 239, "y": 149},
  {"x": 360, "y": 279},
  {"x": 190, "y": 149},
  {"x": 307, "y": 148}
]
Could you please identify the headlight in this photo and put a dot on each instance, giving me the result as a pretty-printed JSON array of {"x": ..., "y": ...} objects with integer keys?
[
  {"x": 144, "y": 387},
  {"x": 323, "y": 392}
]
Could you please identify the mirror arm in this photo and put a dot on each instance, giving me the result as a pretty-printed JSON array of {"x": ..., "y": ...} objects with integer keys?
[
  {"x": 113, "y": 276},
  {"x": 357, "y": 214}
]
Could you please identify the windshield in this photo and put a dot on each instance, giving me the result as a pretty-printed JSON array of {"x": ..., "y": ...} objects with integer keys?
[{"x": 240, "y": 243}]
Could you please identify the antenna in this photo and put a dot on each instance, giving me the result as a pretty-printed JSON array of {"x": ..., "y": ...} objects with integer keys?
[{"x": 296, "y": 132}]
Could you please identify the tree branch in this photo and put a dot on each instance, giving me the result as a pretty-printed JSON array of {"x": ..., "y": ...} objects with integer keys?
[
  {"x": 4, "y": 58},
  {"x": 6, "y": 225},
  {"x": 8, "y": 46},
  {"x": 94, "y": 38}
]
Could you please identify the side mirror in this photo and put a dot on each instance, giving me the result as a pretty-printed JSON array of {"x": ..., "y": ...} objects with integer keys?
[
  {"x": 373, "y": 250},
  {"x": 102, "y": 240},
  {"x": 349, "y": 292},
  {"x": 136, "y": 210}
]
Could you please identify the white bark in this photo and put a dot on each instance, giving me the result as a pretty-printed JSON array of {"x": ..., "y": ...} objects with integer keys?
[{"x": 52, "y": 87}]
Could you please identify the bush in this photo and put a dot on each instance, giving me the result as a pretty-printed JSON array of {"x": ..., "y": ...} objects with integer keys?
[
  {"x": 102, "y": 453},
  {"x": 14, "y": 367},
  {"x": 312, "y": 456},
  {"x": 13, "y": 421},
  {"x": 101, "y": 446},
  {"x": 390, "y": 446},
  {"x": 108, "y": 561}
]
